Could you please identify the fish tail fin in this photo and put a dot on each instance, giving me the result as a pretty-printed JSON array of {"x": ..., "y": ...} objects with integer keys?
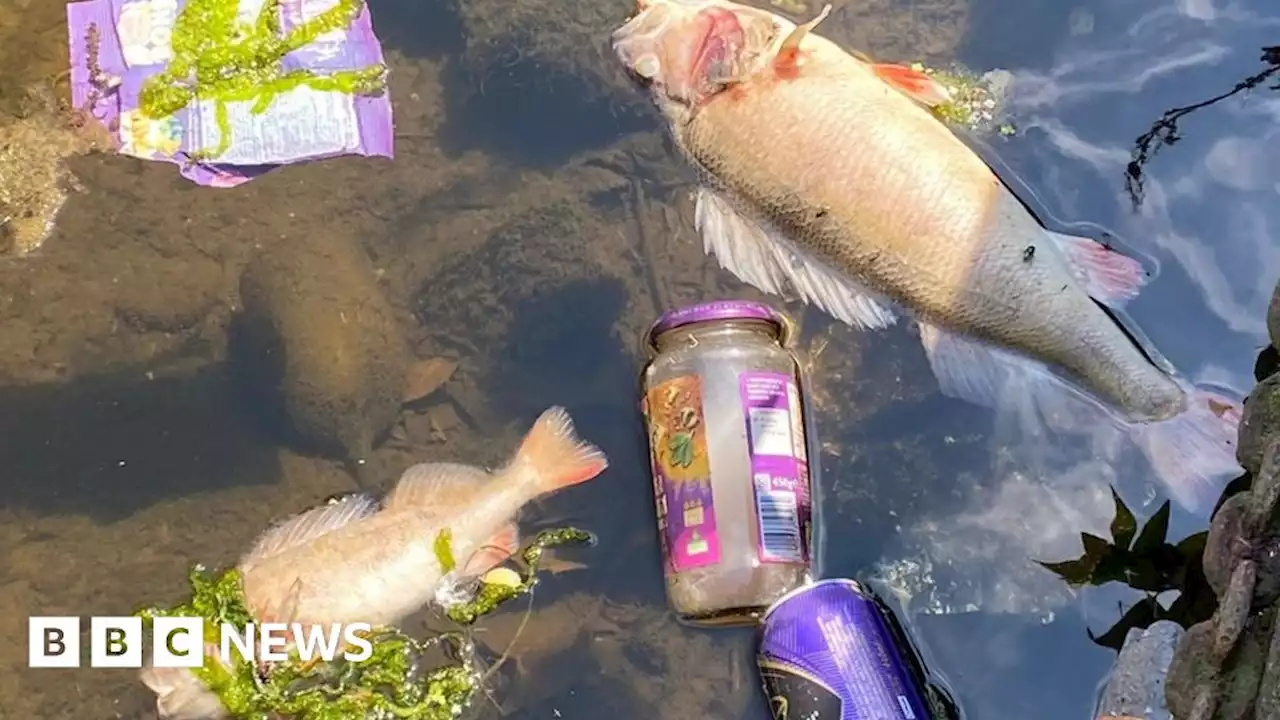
[
  {"x": 557, "y": 456},
  {"x": 1194, "y": 451}
]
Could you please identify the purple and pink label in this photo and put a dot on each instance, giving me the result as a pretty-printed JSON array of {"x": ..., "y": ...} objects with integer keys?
[
  {"x": 779, "y": 466},
  {"x": 779, "y": 472},
  {"x": 682, "y": 473}
]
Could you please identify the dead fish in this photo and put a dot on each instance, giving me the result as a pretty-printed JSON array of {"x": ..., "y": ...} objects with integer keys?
[
  {"x": 355, "y": 559},
  {"x": 826, "y": 175}
]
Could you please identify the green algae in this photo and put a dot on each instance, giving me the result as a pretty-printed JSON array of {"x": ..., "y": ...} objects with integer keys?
[
  {"x": 443, "y": 547},
  {"x": 218, "y": 59},
  {"x": 490, "y": 596},
  {"x": 974, "y": 102},
  {"x": 388, "y": 684}
]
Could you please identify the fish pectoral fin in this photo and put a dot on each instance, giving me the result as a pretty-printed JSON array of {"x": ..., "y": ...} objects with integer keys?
[
  {"x": 970, "y": 370},
  {"x": 766, "y": 259},
  {"x": 788, "y": 57},
  {"x": 285, "y": 609},
  {"x": 501, "y": 545},
  {"x": 309, "y": 525},
  {"x": 420, "y": 486},
  {"x": 1107, "y": 276},
  {"x": 913, "y": 83}
]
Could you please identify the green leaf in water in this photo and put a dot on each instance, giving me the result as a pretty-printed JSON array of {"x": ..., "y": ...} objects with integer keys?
[
  {"x": 1154, "y": 532},
  {"x": 1123, "y": 526}
]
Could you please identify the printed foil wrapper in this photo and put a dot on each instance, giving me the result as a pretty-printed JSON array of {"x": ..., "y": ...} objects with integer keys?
[
  {"x": 128, "y": 41},
  {"x": 682, "y": 473},
  {"x": 827, "y": 653},
  {"x": 779, "y": 466}
]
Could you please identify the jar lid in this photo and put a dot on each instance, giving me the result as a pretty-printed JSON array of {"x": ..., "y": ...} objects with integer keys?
[{"x": 720, "y": 310}]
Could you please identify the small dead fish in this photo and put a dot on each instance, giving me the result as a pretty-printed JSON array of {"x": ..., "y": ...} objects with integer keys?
[
  {"x": 354, "y": 559},
  {"x": 825, "y": 174}
]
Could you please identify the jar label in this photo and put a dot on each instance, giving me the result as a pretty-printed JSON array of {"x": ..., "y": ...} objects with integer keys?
[
  {"x": 779, "y": 466},
  {"x": 682, "y": 473}
]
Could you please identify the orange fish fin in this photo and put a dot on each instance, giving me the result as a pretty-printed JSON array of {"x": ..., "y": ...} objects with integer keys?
[
  {"x": 309, "y": 525},
  {"x": 1109, "y": 277},
  {"x": 1194, "y": 453},
  {"x": 284, "y": 609},
  {"x": 558, "y": 456},
  {"x": 504, "y": 543},
  {"x": 422, "y": 485},
  {"x": 915, "y": 84},
  {"x": 788, "y": 58},
  {"x": 765, "y": 258}
]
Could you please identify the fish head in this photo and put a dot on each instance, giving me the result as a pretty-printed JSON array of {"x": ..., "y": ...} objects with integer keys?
[{"x": 688, "y": 51}]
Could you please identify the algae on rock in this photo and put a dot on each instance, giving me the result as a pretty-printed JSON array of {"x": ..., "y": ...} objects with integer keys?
[{"x": 34, "y": 178}]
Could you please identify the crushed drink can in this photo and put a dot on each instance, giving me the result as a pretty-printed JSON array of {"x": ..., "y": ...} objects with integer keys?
[{"x": 828, "y": 652}]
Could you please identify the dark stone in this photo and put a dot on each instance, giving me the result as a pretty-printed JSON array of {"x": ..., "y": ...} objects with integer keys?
[
  {"x": 1226, "y": 546},
  {"x": 1261, "y": 420},
  {"x": 1273, "y": 317},
  {"x": 1191, "y": 668}
]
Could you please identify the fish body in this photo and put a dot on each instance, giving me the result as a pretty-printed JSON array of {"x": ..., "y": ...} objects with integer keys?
[
  {"x": 826, "y": 175},
  {"x": 355, "y": 560}
]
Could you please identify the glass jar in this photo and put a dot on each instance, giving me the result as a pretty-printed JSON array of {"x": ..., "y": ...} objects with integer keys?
[{"x": 729, "y": 456}]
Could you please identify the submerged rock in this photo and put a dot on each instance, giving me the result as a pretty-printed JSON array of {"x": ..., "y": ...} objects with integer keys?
[
  {"x": 34, "y": 178},
  {"x": 1260, "y": 421},
  {"x": 1273, "y": 318},
  {"x": 317, "y": 335},
  {"x": 1227, "y": 668}
]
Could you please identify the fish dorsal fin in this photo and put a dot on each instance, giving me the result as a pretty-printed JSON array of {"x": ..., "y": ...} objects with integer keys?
[
  {"x": 309, "y": 525},
  {"x": 422, "y": 484},
  {"x": 766, "y": 259},
  {"x": 788, "y": 57},
  {"x": 915, "y": 84}
]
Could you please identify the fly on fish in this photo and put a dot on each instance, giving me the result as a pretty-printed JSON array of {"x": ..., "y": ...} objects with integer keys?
[{"x": 824, "y": 175}]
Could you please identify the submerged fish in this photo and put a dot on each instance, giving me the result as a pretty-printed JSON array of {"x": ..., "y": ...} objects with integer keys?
[
  {"x": 826, "y": 174},
  {"x": 357, "y": 560}
]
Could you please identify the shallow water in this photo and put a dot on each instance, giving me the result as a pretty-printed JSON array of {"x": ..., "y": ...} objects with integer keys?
[{"x": 532, "y": 223}]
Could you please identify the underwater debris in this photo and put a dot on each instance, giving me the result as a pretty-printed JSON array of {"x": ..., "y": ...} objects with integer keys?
[
  {"x": 34, "y": 177},
  {"x": 218, "y": 73},
  {"x": 975, "y": 99},
  {"x": 1165, "y": 131},
  {"x": 390, "y": 683}
]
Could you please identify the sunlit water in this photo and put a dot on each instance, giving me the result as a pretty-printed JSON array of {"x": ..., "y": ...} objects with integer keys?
[{"x": 507, "y": 236}]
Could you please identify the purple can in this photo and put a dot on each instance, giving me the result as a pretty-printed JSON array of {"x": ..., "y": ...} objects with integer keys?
[
  {"x": 828, "y": 652},
  {"x": 722, "y": 398}
]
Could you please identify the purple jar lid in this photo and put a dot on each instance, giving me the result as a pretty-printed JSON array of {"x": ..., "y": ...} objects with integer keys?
[{"x": 718, "y": 310}]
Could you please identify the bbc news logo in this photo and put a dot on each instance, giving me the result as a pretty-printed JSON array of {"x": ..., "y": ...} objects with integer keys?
[{"x": 117, "y": 642}]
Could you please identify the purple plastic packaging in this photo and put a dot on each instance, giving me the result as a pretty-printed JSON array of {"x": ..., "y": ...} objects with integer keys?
[
  {"x": 131, "y": 42},
  {"x": 827, "y": 653}
]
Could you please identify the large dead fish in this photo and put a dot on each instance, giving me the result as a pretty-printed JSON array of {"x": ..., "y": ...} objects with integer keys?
[
  {"x": 825, "y": 174},
  {"x": 357, "y": 560}
]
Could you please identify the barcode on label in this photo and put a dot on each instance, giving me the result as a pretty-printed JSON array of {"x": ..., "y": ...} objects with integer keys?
[
  {"x": 906, "y": 707},
  {"x": 779, "y": 522}
]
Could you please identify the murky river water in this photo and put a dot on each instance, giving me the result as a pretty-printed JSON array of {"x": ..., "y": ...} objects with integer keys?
[{"x": 532, "y": 223}]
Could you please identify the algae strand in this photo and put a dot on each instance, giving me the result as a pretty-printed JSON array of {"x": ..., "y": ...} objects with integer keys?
[{"x": 218, "y": 59}]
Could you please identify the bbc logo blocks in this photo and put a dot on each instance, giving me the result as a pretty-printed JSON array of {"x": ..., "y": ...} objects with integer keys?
[{"x": 54, "y": 642}]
